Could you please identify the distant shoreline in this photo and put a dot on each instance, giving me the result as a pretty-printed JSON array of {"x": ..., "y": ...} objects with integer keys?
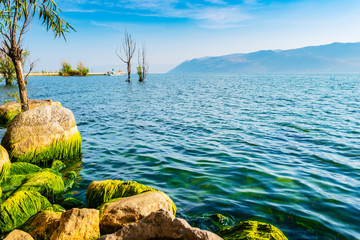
[{"x": 53, "y": 74}]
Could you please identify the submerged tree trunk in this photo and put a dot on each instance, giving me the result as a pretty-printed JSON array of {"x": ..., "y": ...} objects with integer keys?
[
  {"x": 129, "y": 71},
  {"x": 22, "y": 86}
]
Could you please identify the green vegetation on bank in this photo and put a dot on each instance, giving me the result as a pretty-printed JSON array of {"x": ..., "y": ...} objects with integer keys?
[{"x": 67, "y": 70}]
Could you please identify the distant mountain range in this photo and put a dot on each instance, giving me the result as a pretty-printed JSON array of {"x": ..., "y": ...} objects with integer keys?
[{"x": 331, "y": 58}]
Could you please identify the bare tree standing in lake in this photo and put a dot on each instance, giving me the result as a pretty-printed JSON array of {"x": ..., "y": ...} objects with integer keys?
[
  {"x": 143, "y": 67},
  {"x": 127, "y": 51}
]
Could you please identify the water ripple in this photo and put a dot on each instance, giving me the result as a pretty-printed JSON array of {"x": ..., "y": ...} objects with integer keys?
[{"x": 283, "y": 149}]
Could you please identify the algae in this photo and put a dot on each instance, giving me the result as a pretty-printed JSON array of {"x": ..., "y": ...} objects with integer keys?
[
  {"x": 58, "y": 165},
  {"x": 56, "y": 208},
  {"x": 8, "y": 116},
  {"x": 23, "y": 168},
  {"x": 4, "y": 171},
  {"x": 99, "y": 192},
  {"x": 11, "y": 184},
  {"x": 70, "y": 203},
  {"x": 46, "y": 183},
  {"x": 69, "y": 149},
  {"x": 69, "y": 180},
  {"x": 18, "y": 208},
  {"x": 251, "y": 230}
]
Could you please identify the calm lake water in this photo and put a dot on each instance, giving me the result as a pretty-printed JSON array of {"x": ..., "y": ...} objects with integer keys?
[{"x": 283, "y": 149}]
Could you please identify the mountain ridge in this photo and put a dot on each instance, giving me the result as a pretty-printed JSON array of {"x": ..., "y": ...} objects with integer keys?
[{"x": 329, "y": 58}]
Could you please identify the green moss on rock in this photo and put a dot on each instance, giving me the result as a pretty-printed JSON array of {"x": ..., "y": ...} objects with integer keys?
[
  {"x": 57, "y": 208},
  {"x": 46, "y": 183},
  {"x": 11, "y": 184},
  {"x": 58, "y": 165},
  {"x": 43, "y": 134},
  {"x": 99, "y": 192},
  {"x": 18, "y": 208},
  {"x": 69, "y": 149},
  {"x": 69, "y": 180},
  {"x": 251, "y": 230},
  {"x": 23, "y": 168},
  {"x": 70, "y": 203},
  {"x": 4, "y": 164},
  {"x": 7, "y": 115}
]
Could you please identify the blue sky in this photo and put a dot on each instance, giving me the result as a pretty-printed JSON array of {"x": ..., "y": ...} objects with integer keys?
[{"x": 175, "y": 30}]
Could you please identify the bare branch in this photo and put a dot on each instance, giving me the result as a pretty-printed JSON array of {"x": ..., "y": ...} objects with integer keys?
[{"x": 127, "y": 52}]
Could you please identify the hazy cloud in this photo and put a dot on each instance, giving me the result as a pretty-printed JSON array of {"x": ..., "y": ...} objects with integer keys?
[{"x": 208, "y": 13}]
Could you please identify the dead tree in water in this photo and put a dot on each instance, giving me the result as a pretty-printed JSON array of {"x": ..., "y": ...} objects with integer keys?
[
  {"x": 127, "y": 51},
  {"x": 143, "y": 67}
]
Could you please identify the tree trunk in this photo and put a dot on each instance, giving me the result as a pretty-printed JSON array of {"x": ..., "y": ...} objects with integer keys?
[
  {"x": 129, "y": 71},
  {"x": 21, "y": 83}
]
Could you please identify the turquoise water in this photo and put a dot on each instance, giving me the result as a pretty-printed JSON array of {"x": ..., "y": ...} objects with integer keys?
[{"x": 284, "y": 149}]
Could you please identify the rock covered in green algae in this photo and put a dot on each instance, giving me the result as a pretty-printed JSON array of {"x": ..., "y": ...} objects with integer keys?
[
  {"x": 10, "y": 110},
  {"x": 99, "y": 192},
  {"x": 70, "y": 203},
  {"x": 58, "y": 165},
  {"x": 43, "y": 134},
  {"x": 23, "y": 168},
  {"x": 251, "y": 230},
  {"x": 69, "y": 180},
  {"x": 19, "y": 207},
  {"x": 46, "y": 183},
  {"x": 4, "y": 164}
]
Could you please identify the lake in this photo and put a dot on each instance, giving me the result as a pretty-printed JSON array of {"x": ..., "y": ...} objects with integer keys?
[{"x": 283, "y": 149}]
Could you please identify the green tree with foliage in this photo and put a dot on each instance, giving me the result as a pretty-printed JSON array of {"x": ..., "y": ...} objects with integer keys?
[
  {"x": 15, "y": 19},
  {"x": 66, "y": 70},
  {"x": 7, "y": 68},
  {"x": 82, "y": 69}
]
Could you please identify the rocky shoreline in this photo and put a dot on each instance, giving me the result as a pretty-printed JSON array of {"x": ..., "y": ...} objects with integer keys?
[{"x": 36, "y": 148}]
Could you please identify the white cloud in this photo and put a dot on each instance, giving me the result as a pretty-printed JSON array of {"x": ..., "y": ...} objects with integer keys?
[{"x": 210, "y": 13}]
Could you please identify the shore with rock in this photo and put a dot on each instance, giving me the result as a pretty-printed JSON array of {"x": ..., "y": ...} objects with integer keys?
[{"x": 36, "y": 155}]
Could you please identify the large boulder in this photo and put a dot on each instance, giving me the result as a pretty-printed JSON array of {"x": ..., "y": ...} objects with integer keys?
[
  {"x": 161, "y": 225},
  {"x": 251, "y": 230},
  {"x": 119, "y": 213},
  {"x": 10, "y": 110},
  {"x": 42, "y": 135},
  {"x": 18, "y": 235},
  {"x": 4, "y": 164},
  {"x": 42, "y": 225},
  {"x": 19, "y": 207},
  {"x": 78, "y": 224},
  {"x": 99, "y": 192}
]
